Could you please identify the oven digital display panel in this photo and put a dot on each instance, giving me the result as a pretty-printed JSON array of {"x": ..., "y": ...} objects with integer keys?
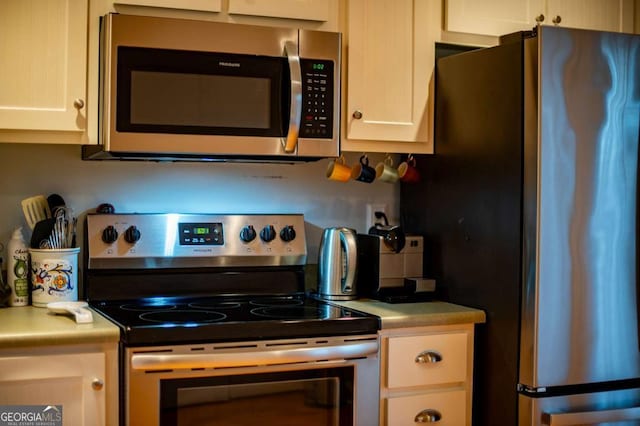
[{"x": 201, "y": 234}]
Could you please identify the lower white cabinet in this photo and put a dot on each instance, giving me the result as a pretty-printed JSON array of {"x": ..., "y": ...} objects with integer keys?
[
  {"x": 81, "y": 380},
  {"x": 427, "y": 375},
  {"x": 445, "y": 408}
]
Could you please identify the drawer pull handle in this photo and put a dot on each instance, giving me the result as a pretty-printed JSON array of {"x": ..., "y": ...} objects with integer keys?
[
  {"x": 428, "y": 416},
  {"x": 428, "y": 357}
]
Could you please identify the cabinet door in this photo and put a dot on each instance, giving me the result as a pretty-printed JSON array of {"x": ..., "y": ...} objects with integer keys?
[
  {"x": 604, "y": 15},
  {"x": 66, "y": 380},
  {"x": 313, "y": 10},
  {"x": 493, "y": 17},
  {"x": 498, "y": 17},
  {"x": 390, "y": 63},
  {"x": 203, "y": 5},
  {"x": 43, "y": 48}
]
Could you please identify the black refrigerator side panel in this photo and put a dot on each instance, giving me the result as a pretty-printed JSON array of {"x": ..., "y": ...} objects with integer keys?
[{"x": 468, "y": 206}]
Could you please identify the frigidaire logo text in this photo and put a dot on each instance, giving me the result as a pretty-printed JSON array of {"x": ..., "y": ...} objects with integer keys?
[{"x": 229, "y": 64}]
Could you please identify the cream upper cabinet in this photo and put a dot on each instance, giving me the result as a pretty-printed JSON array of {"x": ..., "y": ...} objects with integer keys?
[
  {"x": 43, "y": 52},
  {"x": 312, "y": 10},
  {"x": 201, "y": 5},
  {"x": 389, "y": 58},
  {"x": 498, "y": 17},
  {"x": 604, "y": 15}
]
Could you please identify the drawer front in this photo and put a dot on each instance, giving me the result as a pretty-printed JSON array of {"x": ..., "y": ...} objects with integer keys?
[
  {"x": 444, "y": 359},
  {"x": 448, "y": 407}
]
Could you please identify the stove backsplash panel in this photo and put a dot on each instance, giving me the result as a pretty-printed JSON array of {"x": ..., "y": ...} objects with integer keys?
[{"x": 150, "y": 187}]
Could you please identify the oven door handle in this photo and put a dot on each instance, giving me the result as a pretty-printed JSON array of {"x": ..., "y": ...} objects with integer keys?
[
  {"x": 290, "y": 143},
  {"x": 172, "y": 361}
]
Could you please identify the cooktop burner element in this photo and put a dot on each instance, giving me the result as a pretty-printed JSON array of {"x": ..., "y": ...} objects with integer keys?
[
  {"x": 276, "y": 302},
  {"x": 207, "y": 278},
  {"x": 145, "y": 307},
  {"x": 288, "y": 312},
  {"x": 180, "y": 316}
]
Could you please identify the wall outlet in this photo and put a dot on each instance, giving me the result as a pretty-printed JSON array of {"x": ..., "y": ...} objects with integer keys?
[{"x": 371, "y": 218}]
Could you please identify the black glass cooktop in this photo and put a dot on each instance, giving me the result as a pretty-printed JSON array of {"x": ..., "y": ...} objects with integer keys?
[{"x": 173, "y": 320}]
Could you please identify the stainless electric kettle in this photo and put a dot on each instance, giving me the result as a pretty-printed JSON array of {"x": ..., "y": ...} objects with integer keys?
[{"x": 337, "y": 266}]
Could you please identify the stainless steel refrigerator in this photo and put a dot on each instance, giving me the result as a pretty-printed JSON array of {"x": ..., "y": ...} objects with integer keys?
[{"x": 529, "y": 208}]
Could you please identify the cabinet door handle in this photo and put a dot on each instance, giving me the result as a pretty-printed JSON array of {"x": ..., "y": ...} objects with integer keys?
[
  {"x": 78, "y": 104},
  {"x": 540, "y": 18},
  {"x": 556, "y": 20},
  {"x": 357, "y": 114},
  {"x": 97, "y": 384},
  {"x": 428, "y": 416},
  {"x": 428, "y": 357}
]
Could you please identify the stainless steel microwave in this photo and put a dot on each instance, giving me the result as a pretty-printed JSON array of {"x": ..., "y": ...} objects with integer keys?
[{"x": 178, "y": 89}]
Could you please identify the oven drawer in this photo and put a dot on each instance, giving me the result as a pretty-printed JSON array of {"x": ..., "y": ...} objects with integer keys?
[
  {"x": 441, "y": 408},
  {"x": 427, "y": 359}
]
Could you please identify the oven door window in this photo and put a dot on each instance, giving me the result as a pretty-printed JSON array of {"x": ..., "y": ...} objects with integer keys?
[
  {"x": 306, "y": 397},
  {"x": 204, "y": 93}
]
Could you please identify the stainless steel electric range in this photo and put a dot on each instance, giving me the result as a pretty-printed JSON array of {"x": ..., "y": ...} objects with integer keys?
[{"x": 216, "y": 327}]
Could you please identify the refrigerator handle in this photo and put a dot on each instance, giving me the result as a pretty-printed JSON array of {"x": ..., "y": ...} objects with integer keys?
[
  {"x": 591, "y": 417},
  {"x": 638, "y": 241}
]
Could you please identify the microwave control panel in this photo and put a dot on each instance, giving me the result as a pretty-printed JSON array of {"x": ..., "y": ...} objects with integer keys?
[{"x": 317, "y": 99}]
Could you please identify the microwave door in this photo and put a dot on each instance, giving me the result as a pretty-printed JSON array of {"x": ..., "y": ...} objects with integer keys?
[{"x": 164, "y": 92}]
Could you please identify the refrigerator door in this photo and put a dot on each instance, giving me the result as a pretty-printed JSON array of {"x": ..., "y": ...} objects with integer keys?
[
  {"x": 580, "y": 322},
  {"x": 614, "y": 408}
]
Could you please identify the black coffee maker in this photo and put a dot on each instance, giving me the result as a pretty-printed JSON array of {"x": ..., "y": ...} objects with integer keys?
[{"x": 391, "y": 266}]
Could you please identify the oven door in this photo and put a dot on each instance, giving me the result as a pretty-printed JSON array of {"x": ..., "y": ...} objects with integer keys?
[
  {"x": 313, "y": 397},
  {"x": 327, "y": 382}
]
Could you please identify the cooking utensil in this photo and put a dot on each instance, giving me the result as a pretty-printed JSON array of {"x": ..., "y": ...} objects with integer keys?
[
  {"x": 337, "y": 264},
  {"x": 35, "y": 209},
  {"x": 78, "y": 309},
  {"x": 54, "y": 201},
  {"x": 41, "y": 232}
]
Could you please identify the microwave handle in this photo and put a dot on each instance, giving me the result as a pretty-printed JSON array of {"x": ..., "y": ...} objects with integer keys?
[{"x": 291, "y": 141}]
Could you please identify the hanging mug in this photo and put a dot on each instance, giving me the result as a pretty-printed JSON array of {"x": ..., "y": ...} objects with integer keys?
[
  {"x": 338, "y": 170},
  {"x": 385, "y": 171},
  {"x": 362, "y": 171},
  {"x": 407, "y": 171}
]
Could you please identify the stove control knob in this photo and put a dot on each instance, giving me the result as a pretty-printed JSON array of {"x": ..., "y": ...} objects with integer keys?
[
  {"x": 268, "y": 233},
  {"x": 132, "y": 234},
  {"x": 247, "y": 234},
  {"x": 287, "y": 233},
  {"x": 109, "y": 235}
]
